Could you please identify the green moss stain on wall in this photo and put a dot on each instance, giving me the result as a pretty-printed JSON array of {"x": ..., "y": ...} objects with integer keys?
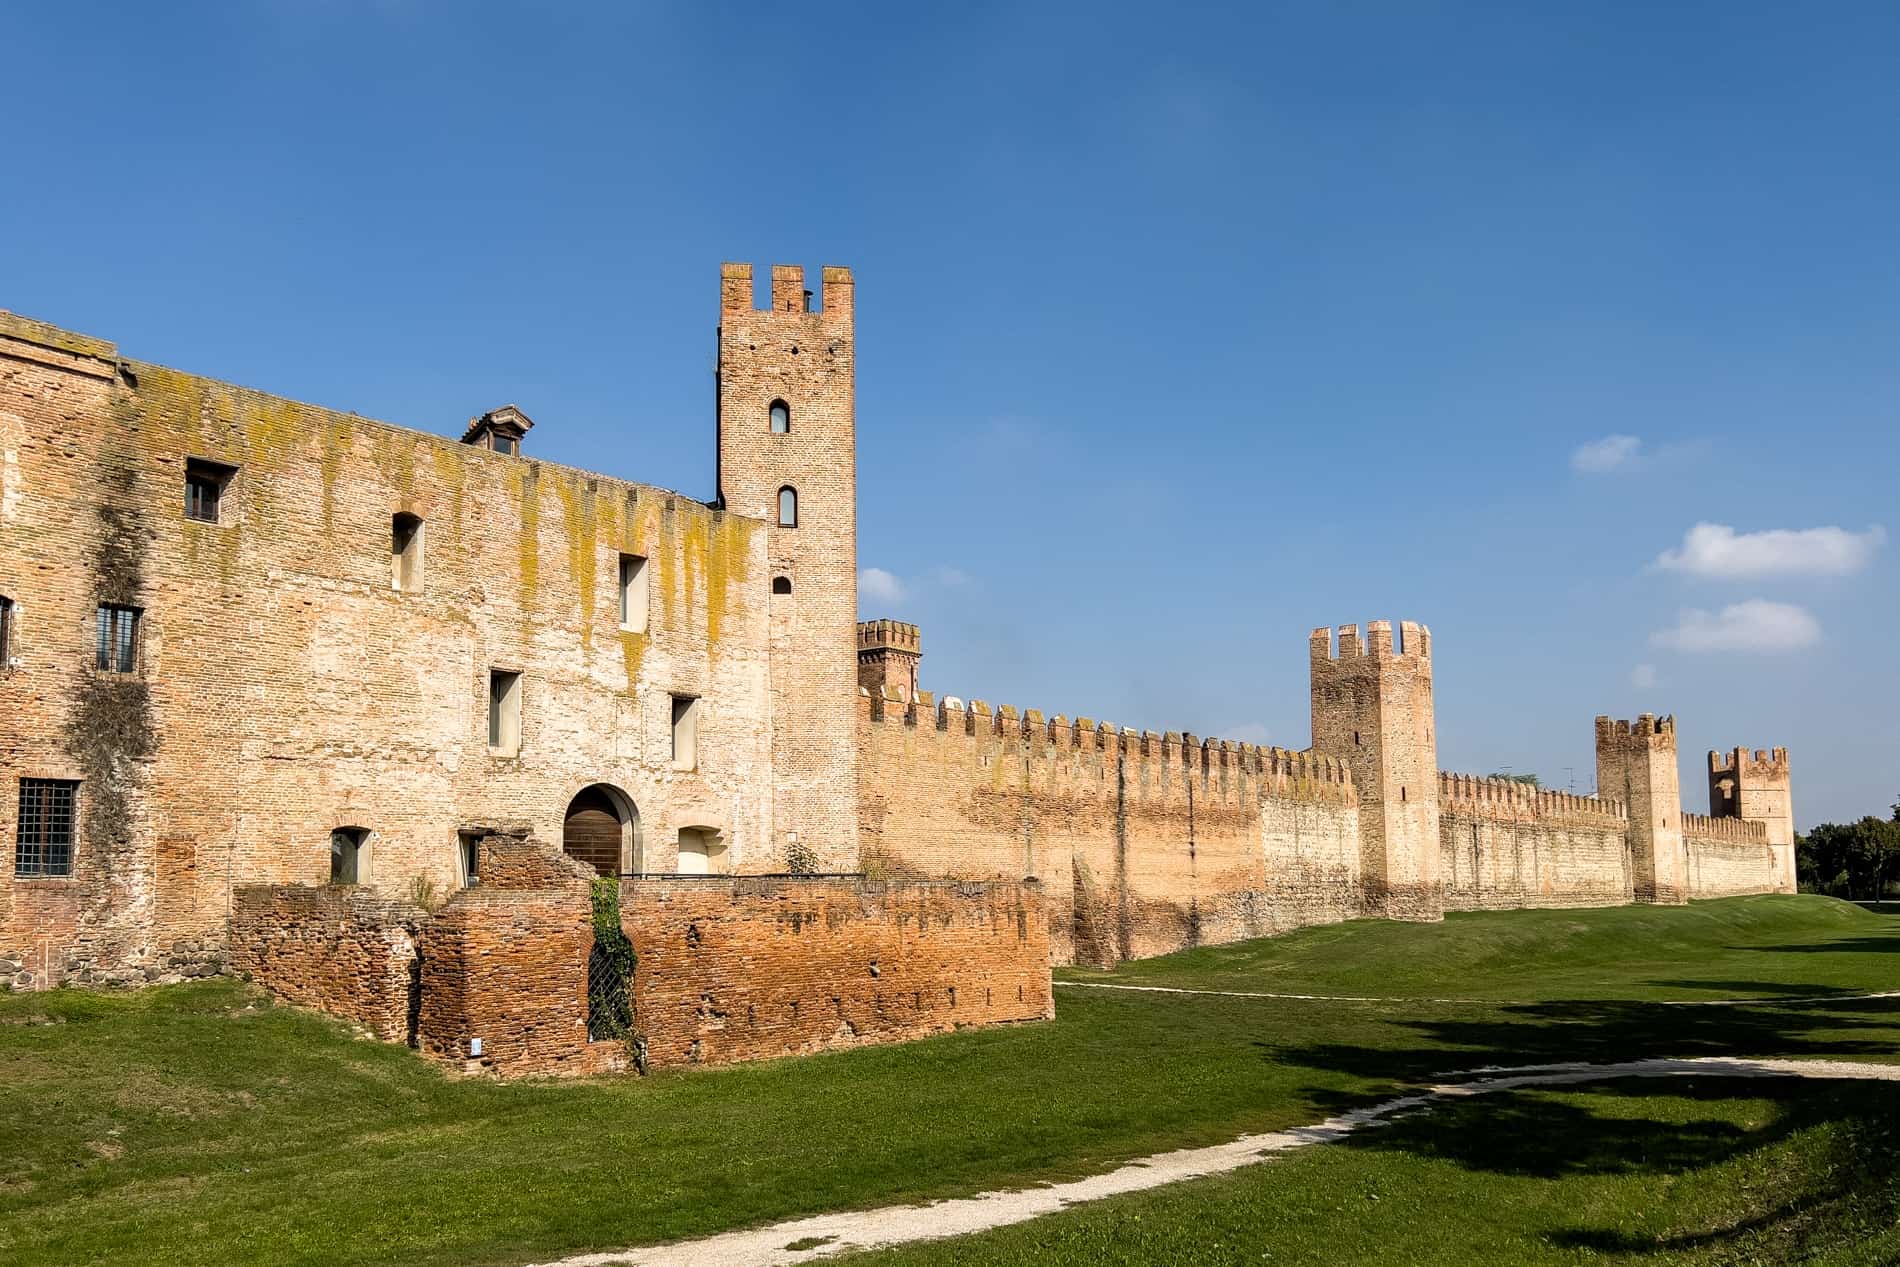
[
  {"x": 528, "y": 549},
  {"x": 578, "y": 511}
]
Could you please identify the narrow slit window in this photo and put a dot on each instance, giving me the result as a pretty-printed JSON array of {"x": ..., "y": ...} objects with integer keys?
[
  {"x": 118, "y": 641},
  {"x": 349, "y": 856},
  {"x": 633, "y": 593},
  {"x": 468, "y": 858},
  {"x": 781, "y": 415},
  {"x": 504, "y": 711},
  {"x": 405, "y": 553},
  {"x": 788, "y": 507},
  {"x": 6, "y": 632},
  {"x": 43, "y": 846},
  {"x": 204, "y": 488},
  {"x": 685, "y": 732}
]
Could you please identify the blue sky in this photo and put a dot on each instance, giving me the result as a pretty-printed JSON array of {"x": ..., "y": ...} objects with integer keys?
[{"x": 1181, "y": 330}]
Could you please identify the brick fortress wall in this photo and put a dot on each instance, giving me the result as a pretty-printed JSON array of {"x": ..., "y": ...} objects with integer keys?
[
  {"x": 1505, "y": 846},
  {"x": 1143, "y": 843}
]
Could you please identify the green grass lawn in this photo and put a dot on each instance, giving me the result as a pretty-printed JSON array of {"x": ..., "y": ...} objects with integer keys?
[{"x": 194, "y": 1124}]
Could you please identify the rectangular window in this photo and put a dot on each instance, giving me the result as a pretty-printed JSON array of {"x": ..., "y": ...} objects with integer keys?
[
  {"x": 633, "y": 593},
  {"x": 6, "y": 631},
  {"x": 118, "y": 638},
  {"x": 501, "y": 443},
  {"x": 405, "y": 553},
  {"x": 44, "y": 844},
  {"x": 685, "y": 732},
  {"x": 348, "y": 863},
  {"x": 204, "y": 488},
  {"x": 504, "y": 711}
]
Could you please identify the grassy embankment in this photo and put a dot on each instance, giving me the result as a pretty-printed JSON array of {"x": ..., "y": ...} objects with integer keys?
[{"x": 193, "y": 1124}]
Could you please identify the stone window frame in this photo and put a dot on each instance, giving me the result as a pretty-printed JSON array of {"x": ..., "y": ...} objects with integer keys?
[
  {"x": 687, "y": 714},
  {"x": 505, "y": 711},
  {"x": 361, "y": 854}
]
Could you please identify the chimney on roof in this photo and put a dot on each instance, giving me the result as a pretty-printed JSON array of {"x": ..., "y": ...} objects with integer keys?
[{"x": 499, "y": 429}]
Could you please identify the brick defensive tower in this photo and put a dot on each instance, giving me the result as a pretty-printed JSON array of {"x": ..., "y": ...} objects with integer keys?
[
  {"x": 788, "y": 456},
  {"x": 1372, "y": 706},
  {"x": 1756, "y": 785},
  {"x": 1636, "y": 763},
  {"x": 888, "y": 652}
]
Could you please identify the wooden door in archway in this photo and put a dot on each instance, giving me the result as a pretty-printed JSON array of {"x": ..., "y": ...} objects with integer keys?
[{"x": 593, "y": 831}]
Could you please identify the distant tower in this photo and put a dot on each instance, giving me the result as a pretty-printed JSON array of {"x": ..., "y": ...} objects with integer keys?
[
  {"x": 788, "y": 456},
  {"x": 1745, "y": 785},
  {"x": 1636, "y": 762},
  {"x": 1372, "y": 706},
  {"x": 888, "y": 652}
]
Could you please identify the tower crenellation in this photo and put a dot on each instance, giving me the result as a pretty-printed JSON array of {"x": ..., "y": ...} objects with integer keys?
[
  {"x": 1636, "y": 763},
  {"x": 1757, "y": 786}
]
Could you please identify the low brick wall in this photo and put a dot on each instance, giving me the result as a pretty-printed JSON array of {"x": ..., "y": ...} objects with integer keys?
[
  {"x": 345, "y": 950},
  {"x": 509, "y": 967},
  {"x": 743, "y": 968}
]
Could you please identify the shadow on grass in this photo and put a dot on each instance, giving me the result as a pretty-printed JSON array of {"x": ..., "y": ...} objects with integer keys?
[
  {"x": 1546, "y": 1033},
  {"x": 1766, "y": 988},
  {"x": 1888, "y": 945}
]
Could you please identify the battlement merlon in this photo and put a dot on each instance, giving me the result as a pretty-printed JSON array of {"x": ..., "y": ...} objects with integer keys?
[
  {"x": 1647, "y": 731},
  {"x": 889, "y": 635},
  {"x": 789, "y": 295},
  {"x": 1414, "y": 642},
  {"x": 1762, "y": 762}
]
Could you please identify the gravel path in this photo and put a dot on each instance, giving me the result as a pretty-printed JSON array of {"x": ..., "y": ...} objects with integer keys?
[{"x": 827, "y": 1234}]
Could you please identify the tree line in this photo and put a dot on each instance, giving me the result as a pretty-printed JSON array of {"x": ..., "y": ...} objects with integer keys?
[{"x": 1851, "y": 860}]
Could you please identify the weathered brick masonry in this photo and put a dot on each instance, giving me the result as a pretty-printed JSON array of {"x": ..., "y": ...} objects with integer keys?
[{"x": 384, "y": 644}]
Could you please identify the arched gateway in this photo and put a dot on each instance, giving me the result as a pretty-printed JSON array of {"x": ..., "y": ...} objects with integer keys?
[{"x": 603, "y": 830}]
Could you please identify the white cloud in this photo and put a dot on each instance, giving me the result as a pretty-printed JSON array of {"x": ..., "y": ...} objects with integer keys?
[
  {"x": 949, "y": 577},
  {"x": 1718, "y": 550},
  {"x": 1755, "y": 625},
  {"x": 1611, "y": 453},
  {"x": 880, "y": 586},
  {"x": 1643, "y": 677}
]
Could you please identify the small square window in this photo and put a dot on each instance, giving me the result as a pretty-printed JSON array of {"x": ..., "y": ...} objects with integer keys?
[
  {"x": 118, "y": 641},
  {"x": 205, "y": 482},
  {"x": 504, "y": 712},
  {"x": 43, "y": 846}
]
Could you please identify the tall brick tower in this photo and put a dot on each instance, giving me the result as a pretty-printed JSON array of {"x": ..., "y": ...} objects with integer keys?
[
  {"x": 1372, "y": 705},
  {"x": 888, "y": 653},
  {"x": 1756, "y": 785},
  {"x": 1636, "y": 762},
  {"x": 788, "y": 455}
]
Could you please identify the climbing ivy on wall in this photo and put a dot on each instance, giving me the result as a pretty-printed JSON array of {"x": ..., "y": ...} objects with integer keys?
[{"x": 610, "y": 969}]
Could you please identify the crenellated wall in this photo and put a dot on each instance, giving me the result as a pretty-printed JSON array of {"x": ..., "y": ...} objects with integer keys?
[
  {"x": 1144, "y": 843},
  {"x": 1725, "y": 856},
  {"x": 1505, "y": 846}
]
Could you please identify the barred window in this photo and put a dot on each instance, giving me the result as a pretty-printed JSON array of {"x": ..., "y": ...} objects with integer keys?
[
  {"x": 44, "y": 844},
  {"x": 118, "y": 638}
]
